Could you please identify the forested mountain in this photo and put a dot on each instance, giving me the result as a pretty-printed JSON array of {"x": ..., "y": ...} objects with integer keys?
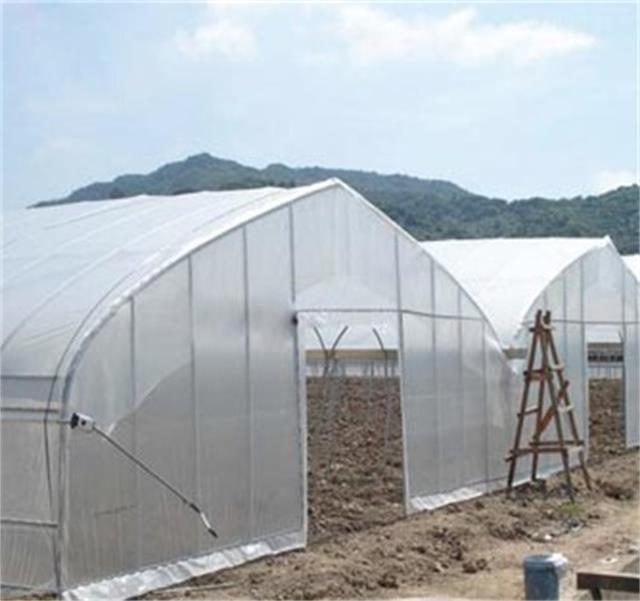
[{"x": 429, "y": 209}]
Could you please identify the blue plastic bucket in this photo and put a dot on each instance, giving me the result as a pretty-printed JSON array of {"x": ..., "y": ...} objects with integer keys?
[{"x": 542, "y": 574}]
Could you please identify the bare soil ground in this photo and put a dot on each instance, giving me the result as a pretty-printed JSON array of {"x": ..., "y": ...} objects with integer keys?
[
  {"x": 606, "y": 419},
  {"x": 361, "y": 548},
  {"x": 353, "y": 483}
]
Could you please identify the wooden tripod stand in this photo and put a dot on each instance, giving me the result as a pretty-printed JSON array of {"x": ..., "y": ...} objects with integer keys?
[{"x": 550, "y": 378}]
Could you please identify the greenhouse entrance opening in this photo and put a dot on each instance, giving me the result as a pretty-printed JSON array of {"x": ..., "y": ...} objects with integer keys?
[
  {"x": 606, "y": 367},
  {"x": 354, "y": 427}
]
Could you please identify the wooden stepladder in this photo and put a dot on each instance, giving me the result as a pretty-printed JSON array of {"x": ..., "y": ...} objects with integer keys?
[{"x": 551, "y": 380}]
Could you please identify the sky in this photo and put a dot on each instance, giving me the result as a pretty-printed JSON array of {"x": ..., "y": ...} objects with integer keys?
[{"x": 507, "y": 99}]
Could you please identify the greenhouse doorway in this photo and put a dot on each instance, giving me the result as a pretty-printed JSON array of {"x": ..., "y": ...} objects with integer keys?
[
  {"x": 606, "y": 386},
  {"x": 355, "y": 477}
]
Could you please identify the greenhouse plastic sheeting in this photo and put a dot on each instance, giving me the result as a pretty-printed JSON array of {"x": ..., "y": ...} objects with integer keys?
[
  {"x": 179, "y": 325},
  {"x": 585, "y": 284},
  {"x": 633, "y": 263}
]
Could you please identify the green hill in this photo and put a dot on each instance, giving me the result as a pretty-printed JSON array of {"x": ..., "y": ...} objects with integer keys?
[{"x": 429, "y": 209}]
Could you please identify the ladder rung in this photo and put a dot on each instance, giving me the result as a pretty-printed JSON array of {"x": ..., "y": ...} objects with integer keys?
[
  {"x": 517, "y": 453},
  {"x": 547, "y": 446},
  {"x": 551, "y": 449},
  {"x": 521, "y": 452},
  {"x": 529, "y": 410},
  {"x": 566, "y": 442},
  {"x": 542, "y": 326},
  {"x": 556, "y": 366},
  {"x": 534, "y": 374},
  {"x": 547, "y": 449},
  {"x": 556, "y": 448},
  {"x": 565, "y": 408}
]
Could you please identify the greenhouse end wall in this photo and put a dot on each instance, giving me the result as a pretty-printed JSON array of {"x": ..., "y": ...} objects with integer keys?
[{"x": 596, "y": 290}]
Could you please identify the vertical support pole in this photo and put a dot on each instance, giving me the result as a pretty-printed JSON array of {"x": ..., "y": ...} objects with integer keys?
[
  {"x": 434, "y": 368},
  {"x": 63, "y": 457},
  {"x": 300, "y": 380},
  {"x": 584, "y": 373},
  {"x": 134, "y": 426},
  {"x": 401, "y": 363},
  {"x": 248, "y": 389},
  {"x": 58, "y": 541},
  {"x": 461, "y": 378},
  {"x": 194, "y": 396},
  {"x": 485, "y": 402},
  {"x": 623, "y": 335}
]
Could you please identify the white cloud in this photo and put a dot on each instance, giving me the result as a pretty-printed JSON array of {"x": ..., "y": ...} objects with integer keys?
[
  {"x": 218, "y": 36},
  {"x": 606, "y": 180},
  {"x": 373, "y": 35}
]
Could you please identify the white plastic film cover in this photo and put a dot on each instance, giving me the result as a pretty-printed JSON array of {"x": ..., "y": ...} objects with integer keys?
[
  {"x": 506, "y": 275},
  {"x": 28, "y": 505},
  {"x": 632, "y": 384},
  {"x": 583, "y": 283},
  {"x": 456, "y": 389},
  {"x": 222, "y": 390},
  {"x": 185, "y": 351},
  {"x": 276, "y": 491},
  {"x": 350, "y": 262}
]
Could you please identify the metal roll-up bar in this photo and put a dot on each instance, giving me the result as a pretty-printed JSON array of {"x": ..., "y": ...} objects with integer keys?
[{"x": 87, "y": 424}]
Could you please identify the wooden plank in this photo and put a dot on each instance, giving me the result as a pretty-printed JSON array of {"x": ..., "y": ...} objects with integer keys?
[
  {"x": 567, "y": 443},
  {"x": 524, "y": 401},
  {"x": 610, "y": 581},
  {"x": 540, "y": 449},
  {"x": 535, "y": 375},
  {"x": 544, "y": 422}
]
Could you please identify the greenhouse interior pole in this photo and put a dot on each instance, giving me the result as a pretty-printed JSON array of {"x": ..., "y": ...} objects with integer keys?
[
  {"x": 331, "y": 388},
  {"x": 387, "y": 409}
]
